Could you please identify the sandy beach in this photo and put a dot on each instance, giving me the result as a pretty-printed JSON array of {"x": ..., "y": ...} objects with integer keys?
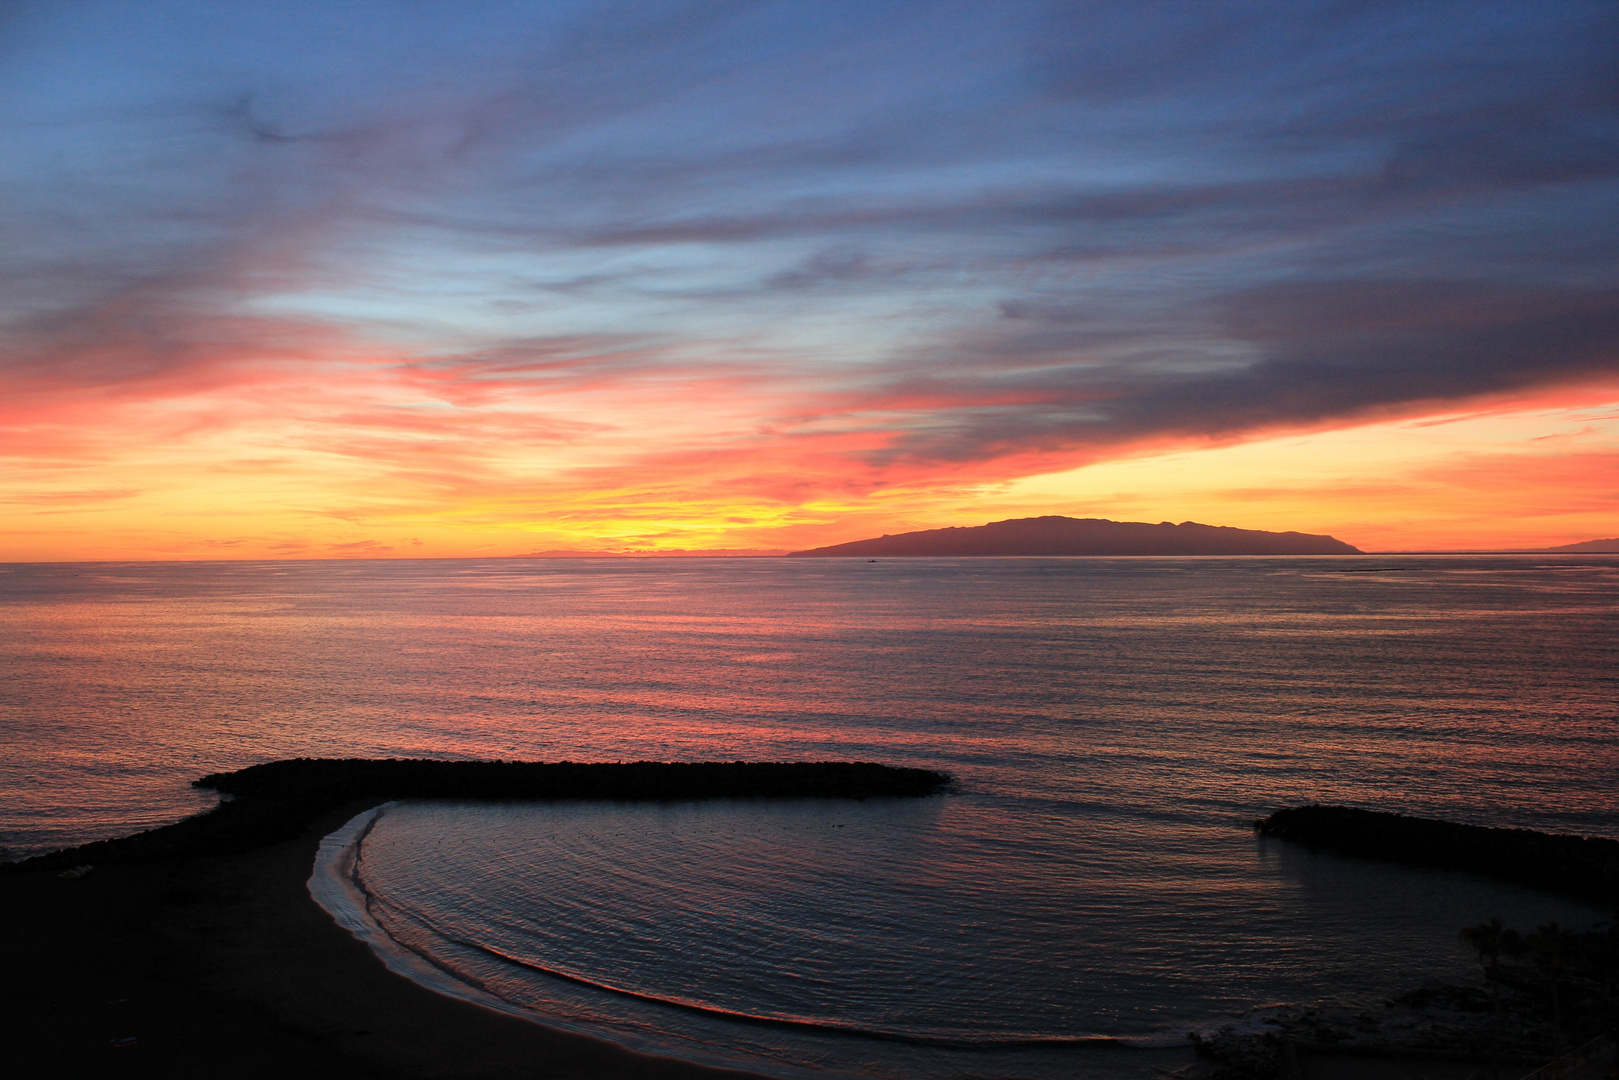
[
  {"x": 225, "y": 966},
  {"x": 196, "y": 949}
]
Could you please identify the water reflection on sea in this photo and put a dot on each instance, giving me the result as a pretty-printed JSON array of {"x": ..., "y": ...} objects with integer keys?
[
  {"x": 972, "y": 935},
  {"x": 1113, "y": 724}
]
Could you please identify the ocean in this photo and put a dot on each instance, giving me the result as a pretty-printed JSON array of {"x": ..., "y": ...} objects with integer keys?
[{"x": 1089, "y": 890}]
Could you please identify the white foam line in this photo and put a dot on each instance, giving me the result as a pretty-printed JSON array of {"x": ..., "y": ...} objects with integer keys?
[{"x": 332, "y": 885}]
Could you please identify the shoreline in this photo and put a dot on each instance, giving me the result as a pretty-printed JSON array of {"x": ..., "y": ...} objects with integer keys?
[
  {"x": 227, "y": 965},
  {"x": 334, "y": 888},
  {"x": 337, "y": 890},
  {"x": 197, "y": 948},
  {"x": 216, "y": 962}
]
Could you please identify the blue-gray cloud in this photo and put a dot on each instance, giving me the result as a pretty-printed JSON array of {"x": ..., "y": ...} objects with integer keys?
[{"x": 1098, "y": 222}]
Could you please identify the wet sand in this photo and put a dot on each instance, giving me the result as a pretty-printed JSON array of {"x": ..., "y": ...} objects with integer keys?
[{"x": 224, "y": 966}]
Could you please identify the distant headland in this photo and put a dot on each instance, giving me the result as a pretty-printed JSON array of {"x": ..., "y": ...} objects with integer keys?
[
  {"x": 1087, "y": 536},
  {"x": 1588, "y": 547}
]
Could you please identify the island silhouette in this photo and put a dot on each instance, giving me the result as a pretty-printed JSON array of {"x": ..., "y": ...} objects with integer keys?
[
  {"x": 1054, "y": 535},
  {"x": 1589, "y": 547}
]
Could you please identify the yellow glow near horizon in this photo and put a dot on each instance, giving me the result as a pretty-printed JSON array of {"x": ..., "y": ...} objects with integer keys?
[
  {"x": 1528, "y": 478},
  {"x": 355, "y": 468},
  {"x": 1502, "y": 477}
]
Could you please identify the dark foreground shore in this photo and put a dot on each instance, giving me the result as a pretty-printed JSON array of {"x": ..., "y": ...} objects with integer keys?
[
  {"x": 195, "y": 950},
  {"x": 224, "y": 966}
]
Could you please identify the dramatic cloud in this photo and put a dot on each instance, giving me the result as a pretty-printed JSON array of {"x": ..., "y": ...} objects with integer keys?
[{"x": 722, "y": 274}]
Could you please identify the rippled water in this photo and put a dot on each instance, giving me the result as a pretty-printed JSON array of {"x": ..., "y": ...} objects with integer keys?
[
  {"x": 1113, "y": 724},
  {"x": 962, "y": 936}
]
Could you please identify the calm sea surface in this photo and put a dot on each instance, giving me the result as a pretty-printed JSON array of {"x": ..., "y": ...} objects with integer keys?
[{"x": 1113, "y": 725}]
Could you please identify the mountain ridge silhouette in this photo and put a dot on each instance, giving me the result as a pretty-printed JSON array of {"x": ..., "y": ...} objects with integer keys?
[{"x": 1057, "y": 535}]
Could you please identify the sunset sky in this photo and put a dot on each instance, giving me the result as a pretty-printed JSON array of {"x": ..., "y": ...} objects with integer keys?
[{"x": 478, "y": 278}]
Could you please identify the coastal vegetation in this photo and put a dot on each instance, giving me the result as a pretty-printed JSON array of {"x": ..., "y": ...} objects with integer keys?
[{"x": 277, "y": 801}]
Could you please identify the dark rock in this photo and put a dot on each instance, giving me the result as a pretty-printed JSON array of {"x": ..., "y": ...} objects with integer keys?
[
  {"x": 279, "y": 800},
  {"x": 1585, "y": 867}
]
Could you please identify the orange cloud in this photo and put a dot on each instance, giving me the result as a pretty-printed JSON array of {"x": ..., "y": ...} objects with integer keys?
[{"x": 182, "y": 436}]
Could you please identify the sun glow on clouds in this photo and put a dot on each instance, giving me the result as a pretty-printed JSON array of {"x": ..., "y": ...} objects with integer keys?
[
  {"x": 395, "y": 459},
  {"x": 1434, "y": 483},
  {"x": 671, "y": 276}
]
